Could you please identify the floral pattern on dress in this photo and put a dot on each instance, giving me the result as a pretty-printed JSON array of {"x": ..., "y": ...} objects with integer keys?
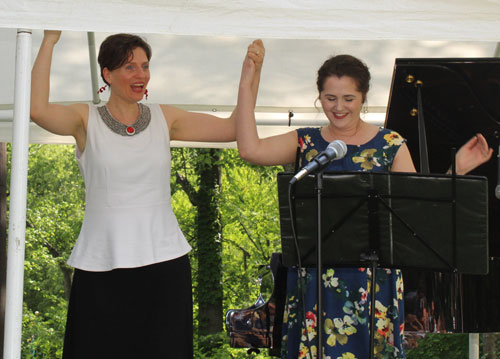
[
  {"x": 346, "y": 291},
  {"x": 375, "y": 155},
  {"x": 367, "y": 159}
]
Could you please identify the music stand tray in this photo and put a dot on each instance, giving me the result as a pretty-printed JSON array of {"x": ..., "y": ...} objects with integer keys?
[{"x": 433, "y": 222}]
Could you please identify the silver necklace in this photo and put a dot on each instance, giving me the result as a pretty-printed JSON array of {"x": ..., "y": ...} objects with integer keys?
[{"x": 122, "y": 129}]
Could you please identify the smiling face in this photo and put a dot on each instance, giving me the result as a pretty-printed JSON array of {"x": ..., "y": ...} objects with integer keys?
[
  {"x": 341, "y": 101},
  {"x": 129, "y": 81}
]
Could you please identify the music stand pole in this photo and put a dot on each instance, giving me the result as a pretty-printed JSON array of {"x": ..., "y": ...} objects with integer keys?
[
  {"x": 372, "y": 305},
  {"x": 373, "y": 257},
  {"x": 319, "y": 269}
]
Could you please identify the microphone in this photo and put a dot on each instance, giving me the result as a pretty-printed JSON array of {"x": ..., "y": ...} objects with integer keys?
[{"x": 335, "y": 151}]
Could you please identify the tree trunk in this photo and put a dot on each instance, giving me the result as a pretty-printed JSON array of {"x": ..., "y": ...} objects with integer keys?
[
  {"x": 489, "y": 345},
  {"x": 209, "y": 254},
  {"x": 67, "y": 272}
]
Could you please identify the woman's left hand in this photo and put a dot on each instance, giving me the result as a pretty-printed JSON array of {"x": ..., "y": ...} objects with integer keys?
[{"x": 473, "y": 154}]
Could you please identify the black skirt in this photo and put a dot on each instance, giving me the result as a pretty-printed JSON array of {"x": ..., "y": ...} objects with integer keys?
[{"x": 144, "y": 312}]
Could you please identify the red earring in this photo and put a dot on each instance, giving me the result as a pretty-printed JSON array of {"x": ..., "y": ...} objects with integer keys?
[
  {"x": 146, "y": 94},
  {"x": 102, "y": 89}
]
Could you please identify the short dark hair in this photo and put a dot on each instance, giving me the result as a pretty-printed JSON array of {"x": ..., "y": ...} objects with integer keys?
[
  {"x": 345, "y": 65},
  {"x": 117, "y": 49}
]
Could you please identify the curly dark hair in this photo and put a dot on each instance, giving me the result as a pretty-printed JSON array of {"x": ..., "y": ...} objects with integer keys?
[{"x": 345, "y": 65}]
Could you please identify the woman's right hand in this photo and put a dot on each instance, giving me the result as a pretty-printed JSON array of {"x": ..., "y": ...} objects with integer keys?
[{"x": 52, "y": 36}]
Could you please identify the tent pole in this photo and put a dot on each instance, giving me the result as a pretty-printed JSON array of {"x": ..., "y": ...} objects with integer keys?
[
  {"x": 93, "y": 68},
  {"x": 473, "y": 346},
  {"x": 18, "y": 186}
]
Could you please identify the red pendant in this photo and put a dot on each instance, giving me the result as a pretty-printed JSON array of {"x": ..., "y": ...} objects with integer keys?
[{"x": 130, "y": 130}]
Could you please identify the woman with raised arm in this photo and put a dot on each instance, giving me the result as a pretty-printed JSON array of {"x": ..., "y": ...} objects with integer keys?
[
  {"x": 343, "y": 84},
  {"x": 131, "y": 295}
]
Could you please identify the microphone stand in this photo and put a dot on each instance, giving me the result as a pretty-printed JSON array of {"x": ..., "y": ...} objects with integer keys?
[
  {"x": 339, "y": 149},
  {"x": 319, "y": 269}
]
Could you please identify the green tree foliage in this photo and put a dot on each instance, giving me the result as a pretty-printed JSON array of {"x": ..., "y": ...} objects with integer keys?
[
  {"x": 250, "y": 223},
  {"x": 246, "y": 203},
  {"x": 55, "y": 207},
  {"x": 439, "y": 346},
  {"x": 197, "y": 173},
  {"x": 456, "y": 346},
  {"x": 246, "y": 209},
  {"x": 251, "y": 227}
]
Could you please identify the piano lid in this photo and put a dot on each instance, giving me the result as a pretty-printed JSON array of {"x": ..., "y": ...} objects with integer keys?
[{"x": 460, "y": 97}]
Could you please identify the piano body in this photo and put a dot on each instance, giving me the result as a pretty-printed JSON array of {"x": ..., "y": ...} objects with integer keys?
[{"x": 458, "y": 98}]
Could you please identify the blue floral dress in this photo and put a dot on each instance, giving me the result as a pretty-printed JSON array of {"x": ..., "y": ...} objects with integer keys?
[{"x": 346, "y": 291}]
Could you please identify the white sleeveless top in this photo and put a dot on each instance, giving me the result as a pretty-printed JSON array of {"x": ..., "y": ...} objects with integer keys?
[{"x": 128, "y": 220}]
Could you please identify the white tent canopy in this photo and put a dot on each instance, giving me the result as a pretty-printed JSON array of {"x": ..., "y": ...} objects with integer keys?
[
  {"x": 192, "y": 69},
  {"x": 202, "y": 72},
  {"x": 458, "y": 20}
]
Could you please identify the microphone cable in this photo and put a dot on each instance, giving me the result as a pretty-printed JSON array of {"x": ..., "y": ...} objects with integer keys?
[{"x": 299, "y": 272}]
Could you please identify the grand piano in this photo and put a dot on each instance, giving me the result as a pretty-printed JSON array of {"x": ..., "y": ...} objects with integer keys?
[{"x": 458, "y": 98}]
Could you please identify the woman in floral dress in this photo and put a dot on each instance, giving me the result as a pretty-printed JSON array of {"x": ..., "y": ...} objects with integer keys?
[
  {"x": 347, "y": 290},
  {"x": 343, "y": 84}
]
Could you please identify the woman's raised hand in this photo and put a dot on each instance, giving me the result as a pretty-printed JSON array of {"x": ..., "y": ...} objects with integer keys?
[
  {"x": 256, "y": 52},
  {"x": 253, "y": 62},
  {"x": 52, "y": 36},
  {"x": 473, "y": 154}
]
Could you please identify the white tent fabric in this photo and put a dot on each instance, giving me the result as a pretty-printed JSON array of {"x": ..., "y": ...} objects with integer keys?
[
  {"x": 202, "y": 73},
  {"x": 297, "y": 19}
]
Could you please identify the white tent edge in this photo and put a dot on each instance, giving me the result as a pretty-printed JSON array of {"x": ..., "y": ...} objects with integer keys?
[{"x": 455, "y": 20}]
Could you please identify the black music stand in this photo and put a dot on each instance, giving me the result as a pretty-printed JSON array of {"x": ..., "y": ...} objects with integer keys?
[{"x": 396, "y": 220}]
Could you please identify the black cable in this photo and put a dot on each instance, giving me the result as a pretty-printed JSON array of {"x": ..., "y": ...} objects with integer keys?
[{"x": 299, "y": 270}]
